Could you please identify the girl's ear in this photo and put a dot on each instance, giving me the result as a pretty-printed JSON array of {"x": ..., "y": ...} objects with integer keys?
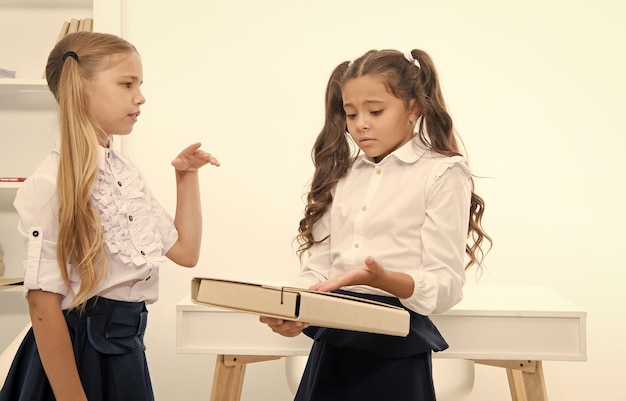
[{"x": 414, "y": 110}]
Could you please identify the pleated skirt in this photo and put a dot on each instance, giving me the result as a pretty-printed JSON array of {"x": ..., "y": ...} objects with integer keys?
[
  {"x": 355, "y": 366},
  {"x": 107, "y": 339}
]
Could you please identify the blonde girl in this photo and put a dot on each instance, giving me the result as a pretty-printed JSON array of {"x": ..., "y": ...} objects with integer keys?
[{"x": 96, "y": 235}]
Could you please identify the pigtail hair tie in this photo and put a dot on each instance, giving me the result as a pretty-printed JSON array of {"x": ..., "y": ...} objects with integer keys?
[
  {"x": 70, "y": 54},
  {"x": 409, "y": 57}
]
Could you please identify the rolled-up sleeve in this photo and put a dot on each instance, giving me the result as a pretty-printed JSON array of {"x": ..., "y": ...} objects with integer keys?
[
  {"x": 37, "y": 207},
  {"x": 439, "y": 282}
]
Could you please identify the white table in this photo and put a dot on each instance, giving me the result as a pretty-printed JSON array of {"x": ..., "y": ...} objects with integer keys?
[{"x": 513, "y": 327}]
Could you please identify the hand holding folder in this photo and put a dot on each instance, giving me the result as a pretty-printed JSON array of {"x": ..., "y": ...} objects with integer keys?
[{"x": 317, "y": 308}]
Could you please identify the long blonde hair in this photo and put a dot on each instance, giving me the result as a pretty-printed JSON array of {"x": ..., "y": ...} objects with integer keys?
[{"x": 72, "y": 66}]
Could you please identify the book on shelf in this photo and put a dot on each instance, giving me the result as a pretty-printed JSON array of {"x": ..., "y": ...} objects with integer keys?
[
  {"x": 88, "y": 25},
  {"x": 12, "y": 179},
  {"x": 63, "y": 31},
  {"x": 75, "y": 25},
  {"x": 71, "y": 26},
  {"x": 318, "y": 308},
  {"x": 4, "y": 73}
]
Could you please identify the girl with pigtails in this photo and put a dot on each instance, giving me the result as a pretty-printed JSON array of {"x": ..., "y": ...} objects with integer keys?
[
  {"x": 393, "y": 219},
  {"x": 96, "y": 235}
]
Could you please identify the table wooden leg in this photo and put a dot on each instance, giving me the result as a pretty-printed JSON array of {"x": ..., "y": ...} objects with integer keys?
[
  {"x": 227, "y": 381},
  {"x": 527, "y": 385},
  {"x": 526, "y": 380},
  {"x": 229, "y": 374}
]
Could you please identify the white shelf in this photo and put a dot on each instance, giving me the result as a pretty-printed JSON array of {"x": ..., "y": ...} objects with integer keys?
[
  {"x": 10, "y": 185},
  {"x": 20, "y": 88},
  {"x": 23, "y": 84},
  {"x": 25, "y": 94}
]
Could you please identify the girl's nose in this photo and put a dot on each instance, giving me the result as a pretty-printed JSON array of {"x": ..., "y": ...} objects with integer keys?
[
  {"x": 140, "y": 99},
  {"x": 362, "y": 123}
]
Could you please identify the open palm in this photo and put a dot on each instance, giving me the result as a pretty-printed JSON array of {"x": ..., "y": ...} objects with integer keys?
[
  {"x": 365, "y": 275},
  {"x": 192, "y": 158}
]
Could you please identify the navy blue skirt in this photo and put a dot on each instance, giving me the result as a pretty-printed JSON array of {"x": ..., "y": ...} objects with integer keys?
[
  {"x": 110, "y": 355},
  {"x": 349, "y": 365}
]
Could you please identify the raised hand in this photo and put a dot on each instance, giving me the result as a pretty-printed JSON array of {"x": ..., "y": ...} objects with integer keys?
[{"x": 192, "y": 158}]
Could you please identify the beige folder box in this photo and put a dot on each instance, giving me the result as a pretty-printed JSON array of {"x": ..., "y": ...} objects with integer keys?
[{"x": 317, "y": 308}]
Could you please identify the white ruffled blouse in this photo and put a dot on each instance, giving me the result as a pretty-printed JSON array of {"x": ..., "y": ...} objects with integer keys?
[{"x": 137, "y": 231}]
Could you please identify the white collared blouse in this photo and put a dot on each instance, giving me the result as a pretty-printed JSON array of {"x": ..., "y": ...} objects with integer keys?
[
  {"x": 410, "y": 212},
  {"x": 137, "y": 231}
]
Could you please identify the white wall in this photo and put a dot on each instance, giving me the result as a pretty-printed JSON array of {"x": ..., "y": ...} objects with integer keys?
[{"x": 536, "y": 91}]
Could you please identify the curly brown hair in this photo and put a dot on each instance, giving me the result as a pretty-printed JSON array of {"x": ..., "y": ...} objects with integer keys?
[{"x": 332, "y": 154}]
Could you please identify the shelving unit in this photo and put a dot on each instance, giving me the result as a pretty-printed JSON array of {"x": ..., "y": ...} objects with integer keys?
[
  {"x": 28, "y": 120},
  {"x": 23, "y": 84}
]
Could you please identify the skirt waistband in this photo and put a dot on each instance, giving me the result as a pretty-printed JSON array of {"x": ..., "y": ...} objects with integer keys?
[{"x": 113, "y": 327}]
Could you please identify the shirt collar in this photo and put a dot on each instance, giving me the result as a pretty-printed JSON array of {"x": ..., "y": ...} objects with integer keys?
[
  {"x": 103, "y": 154},
  {"x": 408, "y": 153}
]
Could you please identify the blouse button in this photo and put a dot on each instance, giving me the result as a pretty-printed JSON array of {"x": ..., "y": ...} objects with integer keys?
[
  {"x": 148, "y": 278},
  {"x": 119, "y": 183},
  {"x": 364, "y": 208},
  {"x": 378, "y": 171},
  {"x": 143, "y": 253},
  {"x": 35, "y": 233},
  {"x": 356, "y": 245},
  {"x": 130, "y": 218}
]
